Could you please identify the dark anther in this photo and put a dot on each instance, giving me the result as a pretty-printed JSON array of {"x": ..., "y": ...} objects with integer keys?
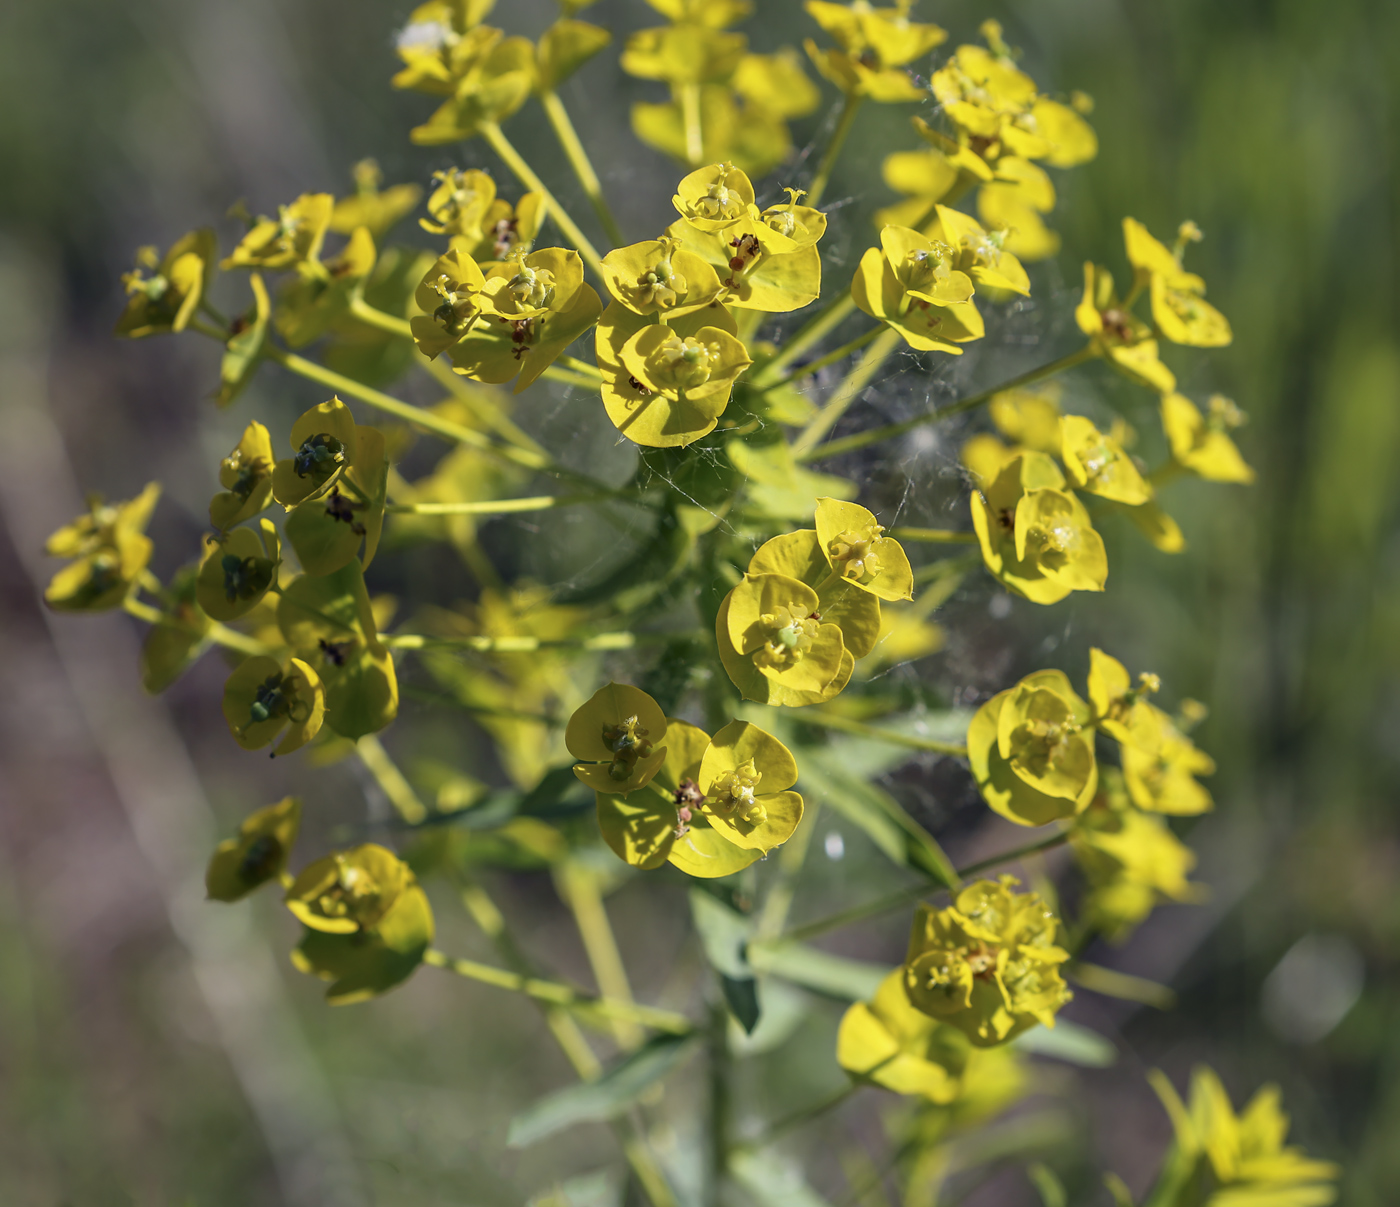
[{"x": 336, "y": 651}]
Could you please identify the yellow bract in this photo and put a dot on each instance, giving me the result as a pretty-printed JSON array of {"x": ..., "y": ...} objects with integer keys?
[
  {"x": 987, "y": 965},
  {"x": 1098, "y": 464},
  {"x": 264, "y": 697},
  {"x": 1031, "y": 751},
  {"x": 109, "y": 548},
  {"x": 378, "y": 212},
  {"x": 1120, "y": 335},
  {"x": 294, "y": 237},
  {"x": 619, "y": 734},
  {"x": 859, "y": 554},
  {"x": 1178, "y": 307},
  {"x": 915, "y": 285},
  {"x": 257, "y": 855},
  {"x": 246, "y": 476},
  {"x": 1036, "y": 537},
  {"x": 1201, "y": 443},
  {"x": 238, "y": 570},
  {"x": 166, "y": 300},
  {"x": 874, "y": 43}
]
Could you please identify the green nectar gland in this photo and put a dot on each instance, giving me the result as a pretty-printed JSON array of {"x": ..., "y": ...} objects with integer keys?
[{"x": 628, "y": 742}]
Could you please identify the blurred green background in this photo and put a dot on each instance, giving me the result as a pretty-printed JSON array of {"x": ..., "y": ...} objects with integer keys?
[{"x": 1271, "y": 123}]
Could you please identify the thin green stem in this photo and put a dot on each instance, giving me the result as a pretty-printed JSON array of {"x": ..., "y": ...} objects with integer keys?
[
  {"x": 390, "y": 779},
  {"x": 511, "y": 645},
  {"x": 856, "y": 913},
  {"x": 215, "y": 633},
  {"x": 579, "y": 887},
  {"x": 196, "y": 324},
  {"x": 372, "y": 316},
  {"x": 578, "y": 159},
  {"x": 582, "y": 366},
  {"x": 861, "y": 729},
  {"x": 934, "y": 536},
  {"x": 582, "y": 380},
  {"x": 494, "y": 506},
  {"x": 525, "y": 174},
  {"x": 559, "y": 994},
  {"x": 800, "y": 1118},
  {"x": 947, "y": 567},
  {"x": 846, "y": 393},
  {"x": 829, "y": 317},
  {"x": 1034, "y": 848},
  {"x": 874, "y": 435},
  {"x": 694, "y": 131},
  {"x": 830, "y": 358},
  {"x": 482, "y": 408},
  {"x": 1112, "y": 983},
  {"x": 849, "y": 107}
]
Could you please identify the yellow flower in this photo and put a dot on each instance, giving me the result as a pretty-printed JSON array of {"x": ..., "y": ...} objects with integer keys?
[
  {"x": 775, "y": 644},
  {"x": 246, "y": 476},
  {"x": 507, "y": 230},
  {"x": 1241, "y": 1156},
  {"x": 563, "y": 48},
  {"x": 1181, "y": 312},
  {"x": 293, "y": 237},
  {"x": 1130, "y": 859},
  {"x": 323, "y": 444},
  {"x": 257, "y": 855},
  {"x": 485, "y": 75},
  {"x": 1013, "y": 203},
  {"x": 1031, "y": 750},
  {"x": 263, "y": 697},
  {"x": 450, "y": 296},
  {"x": 459, "y": 204},
  {"x": 659, "y": 277},
  {"x": 683, "y": 54},
  {"x": 1036, "y": 537},
  {"x": 714, "y": 198},
  {"x": 987, "y": 965},
  {"x": 916, "y": 286},
  {"x": 859, "y": 554},
  {"x": 243, "y": 349},
  {"x": 713, "y": 14},
  {"x": 891, "y": 1043},
  {"x": 109, "y": 548},
  {"x": 1118, "y": 706},
  {"x": 326, "y": 530},
  {"x": 979, "y": 253},
  {"x": 1202, "y": 443},
  {"x": 618, "y": 734},
  {"x": 379, "y": 212},
  {"x": 368, "y": 922},
  {"x": 1120, "y": 335},
  {"x": 1098, "y": 464},
  {"x": 982, "y": 91},
  {"x": 441, "y": 37},
  {"x": 1160, "y": 764},
  {"x": 167, "y": 299},
  {"x": 238, "y": 570},
  {"x": 874, "y": 43},
  {"x": 533, "y": 306},
  {"x": 665, "y": 384}
]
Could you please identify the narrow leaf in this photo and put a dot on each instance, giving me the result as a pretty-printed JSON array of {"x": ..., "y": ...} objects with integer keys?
[
  {"x": 1069, "y": 1042},
  {"x": 835, "y": 976}
]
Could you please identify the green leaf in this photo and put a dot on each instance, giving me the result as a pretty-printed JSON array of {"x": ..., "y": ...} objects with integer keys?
[
  {"x": 772, "y": 1181},
  {"x": 597, "y": 1101},
  {"x": 1052, "y": 1190},
  {"x": 724, "y": 934},
  {"x": 835, "y": 976},
  {"x": 1069, "y": 1042}
]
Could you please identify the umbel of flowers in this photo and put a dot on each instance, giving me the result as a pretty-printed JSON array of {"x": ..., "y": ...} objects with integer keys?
[{"x": 701, "y": 691}]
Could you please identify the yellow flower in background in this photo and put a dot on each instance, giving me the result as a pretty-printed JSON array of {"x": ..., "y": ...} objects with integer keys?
[
  {"x": 167, "y": 299},
  {"x": 450, "y": 296},
  {"x": 1036, "y": 538},
  {"x": 1118, "y": 706},
  {"x": 1030, "y": 419},
  {"x": 439, "y": 38},
  {"x": 264, "y": 697},
  {"x": 378, "y": 211},
  {"x": 1131, "y": 860},
  {"x": 109, "y": 549},
  {"x": 1160, "y": 765},
  {"x": 1202, "y": 443},
  {"x": 246, "y": 476},
  {"x": 618, "y": 734},
  {"x": 987, "y": 965},
  {"x": 1242, "y": 1156},
  {"x": 979, "y": 253},
  {"x": 1118, "y": 334},
  {"x": 292, "y": 238},
  {"x": 257, "y": 855},
  {"x": 1013, "y": 203},
  {"x": 889, "y": 1042},
  {"x": 683, "y": 54},
  {"x": 874, "y": 44},
  {"x": 1031, "y": 751},
  {"x": 665, "y": 384},
  {"x": 459, "y": 204},
  {"x": 1179, "y": 307},
  {"x": 937, "y": 313},
  {"x": 1098, "y": 464},
  {"x": 320, "y": 293}
]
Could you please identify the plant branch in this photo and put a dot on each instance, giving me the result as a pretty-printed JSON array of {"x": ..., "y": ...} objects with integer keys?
[
  {"x": 830, "y": 358},
  {"x": 830, "y": 316},
  {"x": 578, "y": 159},
  {"x": 1034, "y": 848},
  {"x": 494, "y": 506},
  {"x": 511, "y": 645},
  {"x": 846, "y": 393},
  {"x": 856, "y": 913},
  {"x": 560, "y": 994},
  {"x": 216, "y": 633},
  {"x": 849, "y": 107},
  {"x": 525, "y": 174},
  {"x": 579, "y": 887},
  {"x": 934, "y": 536},
  {"x": 694, "y": 133},
  {"x": 390, "y": 779},
  {"x": 847, "y": 444},
  {"x": 861, "y": 729}
]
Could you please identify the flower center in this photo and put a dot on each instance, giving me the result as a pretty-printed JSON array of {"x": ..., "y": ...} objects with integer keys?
[
  {"x": 628, "y": 742},
  {"x": 319, "y": 455},
  {"x": 790, "y": 636},
  {"x": 532, "y": 288},
  {"x": 733, "y": 794},
  {"x": 458, "y": 308},
  {"x": 683, "y": 364},
  {"x": 854, "y": 555}
]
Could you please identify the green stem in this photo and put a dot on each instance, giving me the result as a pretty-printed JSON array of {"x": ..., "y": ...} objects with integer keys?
[
  {"x": 874, "y": 435},
  {"x": 511, "y": 645},
  {"x": 372, "y": 316},
  {"x": 584, "y": 381},
  {"x": 800, "y": 1118},
  {"x": 934, "y": 536},
  {"x": 1112, "y": 983},
  {"x": 861, "y": 729},
  {"x": 947, "y": 567},
  {"x": 582, "y": 366},
  {"x": 856, "y": 913},
  {"x": 829, "y": 358},
  {"x": 218, "y": 634},
  {"x": 195, "y": 324},
  {"x": 809, "y": 333},
  {"x": 579, "y": 887},
  {"x": 1034, "y": 848},
  {"x": 846, "y": 393},
  {"x": 849, "y": 108},
  {"x": 720, "y": 1102},
  {"x": 694, "y": 133},
  {"x": 390, "y": 779},
  {"x": 559, "y": 994},
  {"x": 482, "y": 409},
  {"x": 578, "y": 159},
  {"x": 493, "y": 506},
  {"x": 790, "y": 860},
  {"x": 525, "y": 174}
]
